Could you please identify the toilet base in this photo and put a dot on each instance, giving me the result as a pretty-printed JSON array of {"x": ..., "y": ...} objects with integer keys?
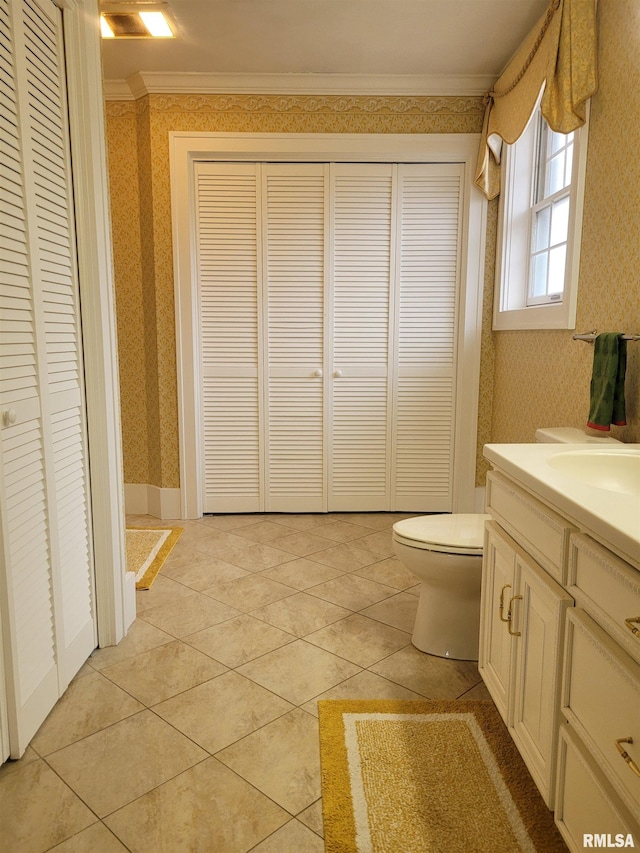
[{"x": 447, "y": 626}]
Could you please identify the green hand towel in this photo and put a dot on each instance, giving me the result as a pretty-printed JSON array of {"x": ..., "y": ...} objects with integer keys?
[{"x": 607, "y": 382}]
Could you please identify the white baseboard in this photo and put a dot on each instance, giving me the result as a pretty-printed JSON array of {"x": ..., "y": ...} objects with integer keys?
[
  {"x": 135, "y": 499},
  {"x": 143, "y": 499}
]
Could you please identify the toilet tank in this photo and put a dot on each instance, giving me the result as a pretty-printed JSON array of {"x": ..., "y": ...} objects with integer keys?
[{"x": 571, "y": 435}]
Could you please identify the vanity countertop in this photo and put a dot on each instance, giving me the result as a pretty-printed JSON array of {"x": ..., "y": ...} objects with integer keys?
[{"x": 612, "y": 517}]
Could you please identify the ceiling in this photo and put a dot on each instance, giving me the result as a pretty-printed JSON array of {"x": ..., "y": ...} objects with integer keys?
[{"x": 445, "y": 45}]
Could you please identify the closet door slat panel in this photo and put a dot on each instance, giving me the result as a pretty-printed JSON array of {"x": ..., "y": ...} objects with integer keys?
[
  {"x": 56, "y": 275},
  {"x": 231, "y": 433},
  {"x": 26, "y": 584},
  {"x": 361, "y": 286},
  {"x": 294, "y": 249},
  {"x": 328, "y": 305},
  {"x": 428, "y": 284},
  {"x": 227, "y": 204},
  {"x": 46, "y": 582}
]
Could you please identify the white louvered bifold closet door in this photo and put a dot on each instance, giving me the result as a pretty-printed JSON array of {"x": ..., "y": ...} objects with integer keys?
[
  {"x": 294, "y": 264},
  {"x": 47, "y": 595},
  {"x": 227, "y": 232},
  {"x": 361, "y": 304},
  {"x": 428, "y": 270},
  {"x": 328, "y": 305}
]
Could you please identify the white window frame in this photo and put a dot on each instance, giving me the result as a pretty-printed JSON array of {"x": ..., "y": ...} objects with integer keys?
[
  {"x": 513, "y": 251},
  {"x": 544, "y": 200}
]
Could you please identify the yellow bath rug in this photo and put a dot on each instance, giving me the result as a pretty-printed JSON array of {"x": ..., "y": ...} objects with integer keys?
[
  {"x": 427, "y": 777},
  {"x": 147, "y": 549}
]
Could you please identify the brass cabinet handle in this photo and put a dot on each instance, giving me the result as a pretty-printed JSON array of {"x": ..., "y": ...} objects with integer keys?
[
  {"x": 510, "y": 614},
  {"x": 501, "y": 608},
  {"x": 631, "y": 625},
  {"x": 623, "y": 752}
]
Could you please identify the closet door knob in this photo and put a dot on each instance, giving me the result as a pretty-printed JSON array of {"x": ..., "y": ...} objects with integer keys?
[
  {"x": 9, "y": 417},
  {"x": 317, "y": 372},
  {"x": 337, "y": 373}
]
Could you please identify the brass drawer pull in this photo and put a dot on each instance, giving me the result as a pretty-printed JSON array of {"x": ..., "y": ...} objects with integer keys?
[
  {"x": 501, "y": 608},
  {"x": 510, "y": 615},
  {"x": 623, "y": 752},
  {"x": 632, "y": 624}
]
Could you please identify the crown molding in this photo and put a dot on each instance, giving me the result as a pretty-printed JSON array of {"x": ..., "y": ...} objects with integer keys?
[
  {"x": 117, "y": 90},
  {"x": 192, "y": 83}
]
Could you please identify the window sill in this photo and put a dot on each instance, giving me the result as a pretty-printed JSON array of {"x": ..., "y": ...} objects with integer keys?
[{"x": 559, "y": 316}]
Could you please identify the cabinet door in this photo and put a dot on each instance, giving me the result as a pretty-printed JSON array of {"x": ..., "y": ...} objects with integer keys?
[
  {"x": 495, "y": 655},
  {"x": 522, "y": 614},
  {"x": 601, "y": 701},
  {"x": 538, "y": 619},
  {"x": 585, "y": 801}
]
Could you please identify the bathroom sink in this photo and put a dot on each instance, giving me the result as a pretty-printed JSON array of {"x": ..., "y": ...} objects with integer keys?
[{"x": 613, "y": 471}]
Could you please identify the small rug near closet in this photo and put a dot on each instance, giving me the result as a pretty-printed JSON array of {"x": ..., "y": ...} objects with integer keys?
[
  {"x": 427, "y": 777},
  {"x": 147, "y": 549}
]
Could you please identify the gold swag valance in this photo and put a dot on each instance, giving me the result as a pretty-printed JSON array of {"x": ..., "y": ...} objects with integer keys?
[{"x": 560, "y": 54}]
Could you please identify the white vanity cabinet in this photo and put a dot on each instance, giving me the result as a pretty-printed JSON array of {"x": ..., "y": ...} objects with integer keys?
[
  {"x": 601, "y": 694},
  {"x": 560, "y": 648},
  {"x": 519, "y": 659},
  {"x": 495, "y": 656}
]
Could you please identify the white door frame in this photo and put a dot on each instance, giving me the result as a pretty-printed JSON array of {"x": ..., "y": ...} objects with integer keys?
[
  {"x": 115, "y": 596},
  {"x": 186, "y": 148}
]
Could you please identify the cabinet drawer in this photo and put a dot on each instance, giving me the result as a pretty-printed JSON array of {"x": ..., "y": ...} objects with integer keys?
[
  {"x": 601, "y": 699},
  {"x": 585, "y": 802},
  {"x": 607, "y": 588},
  {"x": 540, "y": 531}
]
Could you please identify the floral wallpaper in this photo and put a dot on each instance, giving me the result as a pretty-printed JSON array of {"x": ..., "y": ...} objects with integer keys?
[
  {"x": 122, "y": 146},
  {"x": 542, "y": 377},
  {"x": 528, "y": 379},
  {"x": 487, "y": 350},
  {"x": 151, "y": 118}
]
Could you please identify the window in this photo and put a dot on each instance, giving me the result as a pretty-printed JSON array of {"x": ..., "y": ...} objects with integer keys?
[
  {"x": 550, "y": 216},
  {"x": 539, "y": 229}
]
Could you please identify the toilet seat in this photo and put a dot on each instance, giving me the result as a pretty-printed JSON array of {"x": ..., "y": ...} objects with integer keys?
[{"x": 461, "y": 533}]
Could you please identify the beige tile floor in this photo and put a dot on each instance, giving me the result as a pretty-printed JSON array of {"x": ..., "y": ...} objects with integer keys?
[{"x": 199, "y": 731}]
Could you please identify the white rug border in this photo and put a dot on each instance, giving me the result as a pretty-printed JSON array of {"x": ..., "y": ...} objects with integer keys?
[{"x": 154, "y": 551}]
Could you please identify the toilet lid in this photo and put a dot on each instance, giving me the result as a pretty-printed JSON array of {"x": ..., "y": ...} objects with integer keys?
[{"x": 461, "y": 533}]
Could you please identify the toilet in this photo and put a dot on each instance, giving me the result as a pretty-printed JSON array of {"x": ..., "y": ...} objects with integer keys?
[{"x": 444, "y": 552}]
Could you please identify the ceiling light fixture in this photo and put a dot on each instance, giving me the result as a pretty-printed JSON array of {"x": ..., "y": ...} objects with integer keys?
[
  {"x": 105, "y": 30},
  {"x": 136, "y": 21},
  {"x": 157, "y": 25}
]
